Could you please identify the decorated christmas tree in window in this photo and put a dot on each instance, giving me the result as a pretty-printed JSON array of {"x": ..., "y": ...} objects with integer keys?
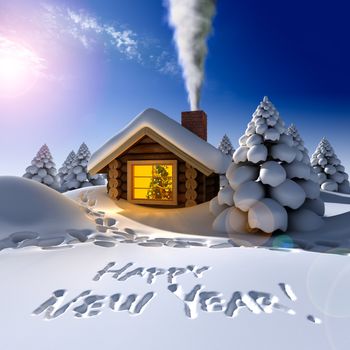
[{"x": 161, "y": 186}]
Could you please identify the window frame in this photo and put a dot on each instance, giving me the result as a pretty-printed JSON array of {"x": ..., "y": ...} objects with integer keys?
[{"x": 130, "y": 181}]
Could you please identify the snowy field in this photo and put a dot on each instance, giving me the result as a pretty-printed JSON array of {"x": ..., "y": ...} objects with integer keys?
[{"x": 90, "y": 273}]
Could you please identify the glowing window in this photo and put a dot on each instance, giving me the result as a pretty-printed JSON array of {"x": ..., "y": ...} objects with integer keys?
[{"x": 152, "y": 182}]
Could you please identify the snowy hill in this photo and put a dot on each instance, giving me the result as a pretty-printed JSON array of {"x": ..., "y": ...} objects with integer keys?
[
  {"x": 34, "y": 214},
  {"x": 131, "y": 278}
]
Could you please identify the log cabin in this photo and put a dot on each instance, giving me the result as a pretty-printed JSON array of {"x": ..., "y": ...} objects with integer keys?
[{"x": 156, "y": 161}]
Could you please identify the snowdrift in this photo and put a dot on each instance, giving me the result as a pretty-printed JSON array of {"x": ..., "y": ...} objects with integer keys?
[
  {"x": 137, "y": 274},
  {"x": 32, "y": 214},
  {"x": 192, "y": 226},
  {"x": 30, "y": 210}
]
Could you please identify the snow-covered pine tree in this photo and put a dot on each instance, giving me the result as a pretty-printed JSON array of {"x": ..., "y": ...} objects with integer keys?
[
  {"x": 331, "y": 173},
  {"x": 43, "y": 169},
  {"x": 271, "y": 186},
  {"x": 225, "y": 145},
  {"x": 303, "y": 155},
  {"x": 66, "y": 166},
  {"x": 78, "y": 176}
]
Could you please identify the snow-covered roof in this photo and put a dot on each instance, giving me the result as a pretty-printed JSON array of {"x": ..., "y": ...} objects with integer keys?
[{"x": 167, "y": 132}]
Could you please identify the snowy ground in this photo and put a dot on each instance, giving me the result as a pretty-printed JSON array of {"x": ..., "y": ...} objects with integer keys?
[{"x": 121, "y": 276}]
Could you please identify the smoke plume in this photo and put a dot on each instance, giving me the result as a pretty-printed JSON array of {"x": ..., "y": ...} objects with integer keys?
[{"x": 192, "y": 23}]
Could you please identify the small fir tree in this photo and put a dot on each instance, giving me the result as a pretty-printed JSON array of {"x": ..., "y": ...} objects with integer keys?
[
  {"x": 66, "y": 166},
  {"x": 330, "y": 172},
  {"x": 303, "y": 153},
  {"x": 43, "y": 169},
  {"x": 225, "y": 145},
  {"x": 78, "y": 176}
]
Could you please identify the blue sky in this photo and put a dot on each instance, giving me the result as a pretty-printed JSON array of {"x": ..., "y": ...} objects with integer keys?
[{"x": 100, "y": 63}]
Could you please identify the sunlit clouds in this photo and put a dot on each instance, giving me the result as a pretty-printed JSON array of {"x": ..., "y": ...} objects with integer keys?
[
  {"x": 93, "y": 33},
  {"x": 20, "y": 67}
]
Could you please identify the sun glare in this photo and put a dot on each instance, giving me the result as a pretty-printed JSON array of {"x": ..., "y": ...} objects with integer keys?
[{"x": 20, "y": 68}]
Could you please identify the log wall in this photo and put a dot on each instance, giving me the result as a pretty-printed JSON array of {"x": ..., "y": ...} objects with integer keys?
[
  {"x": 193, "y": 186},
  {"x": 114, "y": 182}
]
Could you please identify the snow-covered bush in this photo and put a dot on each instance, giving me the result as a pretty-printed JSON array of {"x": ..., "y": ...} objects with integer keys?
[
  {"x": 270, "y": 183},
  {"x": 225, "y": 145},
  {"x": 66, "y": 166},
  {"x": 78, "y": 176},
  {"x": 43, "y": 169},
  {"x": 330, "y": 172}
]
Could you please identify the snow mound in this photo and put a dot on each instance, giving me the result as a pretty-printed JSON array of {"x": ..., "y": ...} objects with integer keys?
[
  {"x": 304, "y": 220},
  {"x": 36, "y": 209}
]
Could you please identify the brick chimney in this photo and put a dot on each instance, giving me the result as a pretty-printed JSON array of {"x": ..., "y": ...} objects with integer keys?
[{"x": 195, "y": 121}]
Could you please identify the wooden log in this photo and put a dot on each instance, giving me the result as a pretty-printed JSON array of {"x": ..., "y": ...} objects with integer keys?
[
  {"x": 115, "y": 164},
  {"x": 124, "y": 167},
  {"x": 124, "y": 187},
  {"x": 182, "y": 167},
  {"x": 200, "y": 190},
  {"x": 114, "y": 173},
  {"x": 211, "y": 181},
  {"x": 213, "y": 188},
  {"x": 200, "y": 199},
  {"x": 146, "y": 139},
  {"x": 181, "y": 198},
  {"x": 211, "y": 194},
  {"x": 181, "y": 188},
  {"x": 182, "y": 178},
  {"x": 147, "y": 148},
  {"x": 191, "y": 184},
  {"x": 191, "y": 173},
  {"x": 149, "y": 156},
  {"x": 191, "y": 195},
  {"x": 124, "y": 177},
  {"x": 200, "y": 179},
  {"x": 114, "y": 193},
  {"x": 190, "y": 203},
  {"x": 114, "y": 182}
]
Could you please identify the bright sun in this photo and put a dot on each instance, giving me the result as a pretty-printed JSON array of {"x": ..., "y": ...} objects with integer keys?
[{"x": 20, "y": 68}]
